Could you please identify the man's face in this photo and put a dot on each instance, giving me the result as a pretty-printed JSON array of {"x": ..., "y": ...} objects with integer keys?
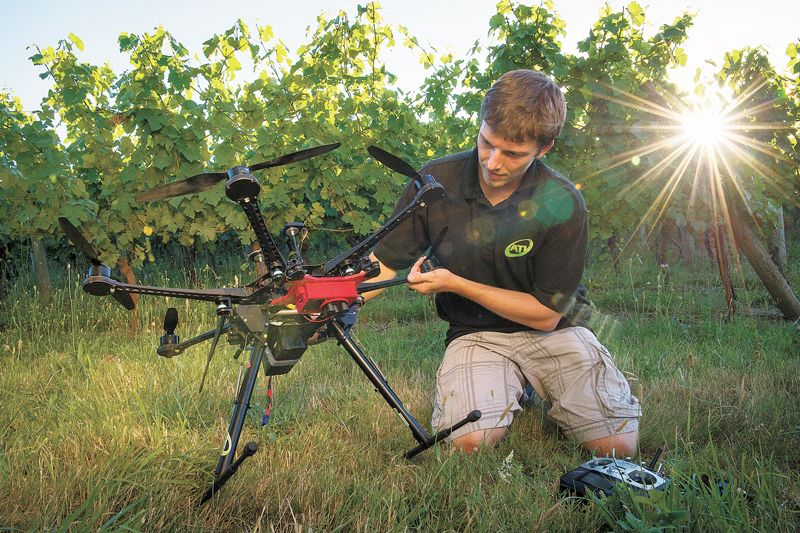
[{"x": 503, "y": 163}]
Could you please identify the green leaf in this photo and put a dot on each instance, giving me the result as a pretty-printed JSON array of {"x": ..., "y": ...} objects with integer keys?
[
  {"x": 265, "y": 33},
  {"x": 681, "y": 57},
  {"x": 178, "y": 80},
  {"x": 234, "y": 64},
  {"x": 77, "y": 40},
  {"x": 162, "y": 160},
  {"x": 73, "y": 95},
  {"x": 127, "y": 41},
  {"x": 496, "y": 21},
  {"x": 210, "y": 46},
  {"x": 280, "y": 52},
  {"x": 637, "y": 13}
]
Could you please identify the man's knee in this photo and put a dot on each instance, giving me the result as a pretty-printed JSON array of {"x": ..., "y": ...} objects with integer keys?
[
  {"x": 621, "y": 445},
  {"x": 471, "y": 442}
]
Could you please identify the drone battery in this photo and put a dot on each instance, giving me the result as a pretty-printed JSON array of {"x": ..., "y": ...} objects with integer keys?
[
  {"x": 273, "y": 367},
  {"x": 287, "y": 342}
]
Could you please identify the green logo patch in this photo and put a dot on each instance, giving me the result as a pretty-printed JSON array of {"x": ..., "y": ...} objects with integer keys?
[{"x": 519, "y": 248}]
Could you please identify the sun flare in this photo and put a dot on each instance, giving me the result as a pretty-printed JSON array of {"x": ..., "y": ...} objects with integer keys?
[
  {"x": 702, "y": 150},
  {"x": 704, "y": 127}
]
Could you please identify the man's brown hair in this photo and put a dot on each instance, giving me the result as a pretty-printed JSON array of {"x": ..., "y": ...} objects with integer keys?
[{"x": 525, "y": 105}]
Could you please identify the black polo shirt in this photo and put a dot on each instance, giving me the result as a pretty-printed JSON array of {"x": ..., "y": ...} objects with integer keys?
[{"x": 534, "y": 241}]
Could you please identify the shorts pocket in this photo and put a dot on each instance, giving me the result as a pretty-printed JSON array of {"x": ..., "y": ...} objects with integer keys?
[{"x": 612, "y": 388}]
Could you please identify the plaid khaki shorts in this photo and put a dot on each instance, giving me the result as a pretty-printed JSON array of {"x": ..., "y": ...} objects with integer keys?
[{"x": 589, "y": 397}]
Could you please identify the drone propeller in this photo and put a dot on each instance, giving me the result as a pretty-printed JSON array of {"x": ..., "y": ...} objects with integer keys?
[
  {"x": 201, "y": 182},
  {"x": 297, "y": 156},
  {"x": 432, "y": 262},
  {"x": 78, "y": 241},
  {"x": 170, "y": 321},
  {"x": 83, "y": 246},
  {"x": 394, "y": 162}
]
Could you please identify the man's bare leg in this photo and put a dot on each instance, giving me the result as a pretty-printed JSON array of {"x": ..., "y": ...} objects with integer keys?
[
  {"x": 471, "y": 442},
  {"x": 621, "y": 445}
]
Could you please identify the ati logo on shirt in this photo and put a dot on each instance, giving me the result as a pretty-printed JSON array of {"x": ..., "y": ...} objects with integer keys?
[{"x": 519, "y": 248}]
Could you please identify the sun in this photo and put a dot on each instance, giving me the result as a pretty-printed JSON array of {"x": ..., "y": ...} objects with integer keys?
[{"x": 705, "y": 127}]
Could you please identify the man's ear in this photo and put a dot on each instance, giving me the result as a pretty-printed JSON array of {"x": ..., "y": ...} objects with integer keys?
[{"x": 545, "y": 149}]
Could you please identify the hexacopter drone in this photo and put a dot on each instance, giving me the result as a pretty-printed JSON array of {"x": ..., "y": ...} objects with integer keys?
[{"x": 275, "y": 316}]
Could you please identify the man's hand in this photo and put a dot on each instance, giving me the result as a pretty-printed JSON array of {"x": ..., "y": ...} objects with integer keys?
[
  {"x": 519, "y": 307},
  {"x": 437, "y": 280},
  {"x": 386, "y": 274}
]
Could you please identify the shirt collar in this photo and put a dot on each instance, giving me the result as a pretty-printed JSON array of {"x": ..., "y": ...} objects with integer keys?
[{"x": 470, "y": 181}]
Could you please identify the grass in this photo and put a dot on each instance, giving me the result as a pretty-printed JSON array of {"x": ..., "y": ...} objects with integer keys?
[{"x": 98, "y": 433}]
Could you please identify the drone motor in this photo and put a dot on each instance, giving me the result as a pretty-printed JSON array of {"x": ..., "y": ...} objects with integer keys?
[
  {"x": 241, "y": 184},
  {"x": 168, "y": 342}
]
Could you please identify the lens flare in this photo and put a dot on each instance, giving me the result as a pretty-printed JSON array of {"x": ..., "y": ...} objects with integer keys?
[
  {"x": 696, "y": 153},
  {"x": 704, "y": 127}
]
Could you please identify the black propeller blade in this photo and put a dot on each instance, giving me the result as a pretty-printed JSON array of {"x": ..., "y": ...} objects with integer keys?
[
  {"x": 297, "y": 156},
  {"x": 439, "y": 238},
  {"x": 83, "y": 246},
  {"x": 201, "y": 182},
  {"x": 432, "y": 262},
  {"x": 394, "y": 162},
  {"x": 196, "y": 183},
  {"x": 125, "y": 299},
  {"x": 78, "y": 240}
]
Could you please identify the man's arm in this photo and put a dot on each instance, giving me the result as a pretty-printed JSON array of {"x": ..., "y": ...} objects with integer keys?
[
  {"x": 517, "y": 306},
  {"x": 385, "y": 274}
]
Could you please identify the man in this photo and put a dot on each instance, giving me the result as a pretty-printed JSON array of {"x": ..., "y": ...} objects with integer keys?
[{"x": 512, "y": 246}]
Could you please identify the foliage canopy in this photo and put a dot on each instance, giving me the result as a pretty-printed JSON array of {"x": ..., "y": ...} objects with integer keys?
[{"x": 100, "y": 137}]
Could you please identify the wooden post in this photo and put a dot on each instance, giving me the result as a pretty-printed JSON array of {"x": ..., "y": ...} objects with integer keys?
[
  {"x": 721, "y": 251},
  {"x": 661, "y": 243},
  {"x": 686, "y": 240},
  {"x": 127, "y": 273},
  {"x": 712, "y": 255},
  {"x": 190, "y": 263},
  {"x": 40, "y": 271},
  {"x": 614, "y": 251}
]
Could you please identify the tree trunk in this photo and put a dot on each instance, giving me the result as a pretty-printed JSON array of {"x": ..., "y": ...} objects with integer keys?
[
  {"x": 758, "y": 257},
  {"x": 687, "y": 244},
  {"x": 40, "y": 271},
  {"x": 8, "y": 270},
  {"x": 777, "y": 243},
  {"x": 212, "y": 256},
  {"x": 721, "y": 253},
  {"x": 127, "y": 273},
  {"x": 712, "y": 255},
  {"x": 613, "y": 249},
  {"x": 190, "y": 264},
  {"x": 664, "y": 238},
  {"x": 794, "y": 222}
]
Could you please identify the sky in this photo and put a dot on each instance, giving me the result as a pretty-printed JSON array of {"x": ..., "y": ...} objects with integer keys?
[{"x": 720, "y": 25}]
